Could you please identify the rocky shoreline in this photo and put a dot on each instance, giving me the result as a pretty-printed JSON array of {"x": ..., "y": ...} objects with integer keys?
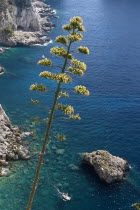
[
  {"x": 11, "y": 147},
  {"x": 28, "y": 28}
]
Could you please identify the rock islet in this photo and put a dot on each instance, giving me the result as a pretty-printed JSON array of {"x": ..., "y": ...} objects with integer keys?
[{"x": 108, "y": 167}]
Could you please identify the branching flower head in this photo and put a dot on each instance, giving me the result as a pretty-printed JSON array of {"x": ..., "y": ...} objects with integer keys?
[
  {"x": 81, "y": 28},
  {"x": 78, "y": 64},
  {"x": 60, "y": 51},
  {"x": 81, "y": 90},
  {"x": 77, "y": 67},
  {"x": 75, "y": 22},
  {"x": 41, "y": 88},
  {"x": 66, "y": 109},
  {"x": 75, "y": 70},
  {"x": 63, "y": 94},
  {"x": 83, "y": 50},
  {"x": 67, "y": 27},
  {"x": 56, "y": 76},
  {"x": 62, "y": 40},
  {"x": 45, "y": 62},
  {"x": 75, "y": 117},
  {"x": 75, "y": 37}
]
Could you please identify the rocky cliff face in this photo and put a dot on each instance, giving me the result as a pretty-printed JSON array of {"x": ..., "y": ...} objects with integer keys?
[
  {"x": 23, "y": 22},
  {"x": 19, "y": 14},
  {"x": 10, "y": 141}
]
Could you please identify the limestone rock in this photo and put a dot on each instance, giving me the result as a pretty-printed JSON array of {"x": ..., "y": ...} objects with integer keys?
[
  {"x": 1, "y": 50},
  {"x": 26, "y": 22},
  {"x": 1, "y": 70},
  {"x": 10, "y": 141},
  {"x": 4, "y": 172},
  {"x": 108, "y": 167}
]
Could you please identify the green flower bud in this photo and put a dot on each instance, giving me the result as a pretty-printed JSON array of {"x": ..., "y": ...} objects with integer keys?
[
  {"x": 37, "y": 87},
  {"x": 45, "y": 62},
  {"x": 76, "y": 18},
  {"x": 81, "y": 28},
  {"x": 66, "y": 109},
  {"x": 67, "y": 27},
  {"x": 82, "y": 90},
  {"x": 75, "y": 70},
  {"x": 83, "y": 50},
  {"x": 62, "y": 40},
  {"x": 56, "y": 76},
  {"x": 60, "y": 52},
  {"x": 78, "y": 64},
  {"x": 76, "y": 22},
  {"x": 75, "y": 37}
]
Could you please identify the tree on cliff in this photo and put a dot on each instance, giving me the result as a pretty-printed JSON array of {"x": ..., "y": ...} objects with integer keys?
[{"x": 71, "y": 67}]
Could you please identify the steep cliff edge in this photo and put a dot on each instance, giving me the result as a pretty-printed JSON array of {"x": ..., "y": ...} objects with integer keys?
[{"x": 22, "y": 22}]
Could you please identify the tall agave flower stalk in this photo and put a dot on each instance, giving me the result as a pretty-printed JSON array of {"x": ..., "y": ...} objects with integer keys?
[{"x": 70, "y": 68}]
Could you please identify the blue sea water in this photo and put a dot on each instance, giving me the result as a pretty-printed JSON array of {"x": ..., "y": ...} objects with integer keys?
[{"x": 110, "y": 115}]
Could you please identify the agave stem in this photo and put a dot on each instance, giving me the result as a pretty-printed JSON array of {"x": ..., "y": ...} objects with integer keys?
[{"x": 34, "y": 186}]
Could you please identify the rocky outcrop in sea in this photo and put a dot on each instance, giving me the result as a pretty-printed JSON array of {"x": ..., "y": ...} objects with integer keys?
[
  {"x": 24, "y": 23},
  {"x": 11, "y": 147},
  {"x": 108, "y": 167}
]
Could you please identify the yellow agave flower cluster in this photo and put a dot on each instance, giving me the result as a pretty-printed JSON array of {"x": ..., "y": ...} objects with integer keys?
[
  {"x": 75, "y": 23},
  {"x": 66, "y": 109},
  {"x": 77, "y": 67},
  {"x": 56, "y": 76},
  {"x": 37, "y": 87},
  {"x": 63, "y": 94},
  {"x": 62, "y": 39},
  {"x": 45, "y": 62},
  {"x": 75, "y": 37},
  {"x": 60, "y": 51},
  {"x": 83, "y": 50},
  {"x": 82, "y": 90},
  {"x": 75, "y": 117}
]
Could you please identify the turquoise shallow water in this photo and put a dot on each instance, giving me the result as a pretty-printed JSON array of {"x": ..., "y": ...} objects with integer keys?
[{"x": 110, "y": 115}]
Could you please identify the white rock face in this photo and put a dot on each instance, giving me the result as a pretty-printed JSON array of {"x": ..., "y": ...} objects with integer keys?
[
  {"x": 108, "y": 167},
  {"x": 1, "y": 70},
  {"x": 28, "y": 20},
  {"x": 17, "y": 18}
]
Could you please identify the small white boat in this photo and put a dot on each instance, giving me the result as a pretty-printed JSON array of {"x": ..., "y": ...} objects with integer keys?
[{"x": 65, "y": 197}]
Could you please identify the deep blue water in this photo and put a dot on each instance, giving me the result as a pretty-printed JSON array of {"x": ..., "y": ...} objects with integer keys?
[{"x": 110, "y": 115}]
